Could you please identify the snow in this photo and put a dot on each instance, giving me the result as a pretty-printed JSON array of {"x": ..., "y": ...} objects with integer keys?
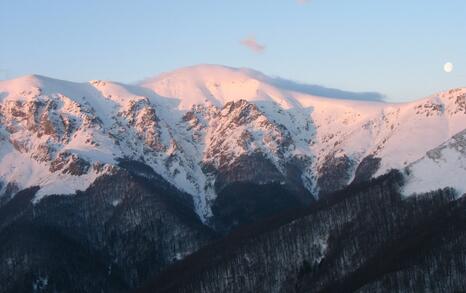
[
  {"x": 108, "y": 127},
  {"x": 444, "y": 166},
  {"x": 64, "y": 184},
  {"x": 431, "y": 175},
  {"x": 20, "y": 169}
]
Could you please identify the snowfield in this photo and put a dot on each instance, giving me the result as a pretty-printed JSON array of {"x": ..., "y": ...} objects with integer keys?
[{"x": 62, "y": 135}]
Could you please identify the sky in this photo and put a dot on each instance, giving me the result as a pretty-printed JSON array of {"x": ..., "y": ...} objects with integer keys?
[{"x": 396, "y": 47}]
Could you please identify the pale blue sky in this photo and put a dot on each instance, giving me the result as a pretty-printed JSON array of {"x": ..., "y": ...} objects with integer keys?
[{"x": 395, "y": 47}]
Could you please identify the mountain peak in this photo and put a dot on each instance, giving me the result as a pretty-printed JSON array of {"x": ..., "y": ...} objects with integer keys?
[
  {"x": 219, "y": 84},
  {"x": 35, "y": 79},
  {"x": 34, "y": 85},
  {"x": 204, "y": 71}
]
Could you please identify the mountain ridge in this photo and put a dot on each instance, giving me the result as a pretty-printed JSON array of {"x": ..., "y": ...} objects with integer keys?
[
  {"x": 202, "y": 125},
  {"x": 227, "y": 182}
]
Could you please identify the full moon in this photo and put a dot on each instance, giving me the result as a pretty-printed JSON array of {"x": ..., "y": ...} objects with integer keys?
[{"x": 448, "y": 67}]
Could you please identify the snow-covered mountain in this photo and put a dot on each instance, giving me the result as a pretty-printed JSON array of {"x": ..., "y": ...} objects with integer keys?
[{"x": 204, "y": 127}]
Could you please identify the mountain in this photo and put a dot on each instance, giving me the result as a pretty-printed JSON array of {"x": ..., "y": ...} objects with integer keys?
[
  {"x": 134, "y": 178},
  {"x": 197, "y": 125}
]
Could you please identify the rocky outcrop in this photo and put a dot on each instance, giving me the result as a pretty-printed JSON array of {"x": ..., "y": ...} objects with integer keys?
[
  {"x": 241, "y": 129},
  {"x": 141, "y": 115}
]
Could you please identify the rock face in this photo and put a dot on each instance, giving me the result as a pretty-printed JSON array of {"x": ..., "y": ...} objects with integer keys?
[{"x": 366, "y": 238}]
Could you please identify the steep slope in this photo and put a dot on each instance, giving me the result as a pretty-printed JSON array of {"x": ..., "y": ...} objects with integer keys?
[
  {"x": 206, "y": 127},
  {"x": 332, "y": 136},
  {"x": 61, "y": 135}
]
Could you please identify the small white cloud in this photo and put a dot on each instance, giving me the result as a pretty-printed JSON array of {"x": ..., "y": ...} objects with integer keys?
[{"x": 252, "y": 44}]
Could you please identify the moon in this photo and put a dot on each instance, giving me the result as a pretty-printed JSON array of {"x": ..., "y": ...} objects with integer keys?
[{"x": 448, "y": 67}]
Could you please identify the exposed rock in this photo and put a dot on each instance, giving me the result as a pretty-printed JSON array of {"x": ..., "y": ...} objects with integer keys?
[
  {"x": 70, "y": 164},
  {"x": 77, "y": 166}
]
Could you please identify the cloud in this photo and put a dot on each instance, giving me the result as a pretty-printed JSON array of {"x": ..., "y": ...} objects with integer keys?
[
  {"x": 252, "y": 44},
  {"x": 303, "y": 1},
  {"x": 322, "y": 91},
  {"x": 316, "y": 90}
]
